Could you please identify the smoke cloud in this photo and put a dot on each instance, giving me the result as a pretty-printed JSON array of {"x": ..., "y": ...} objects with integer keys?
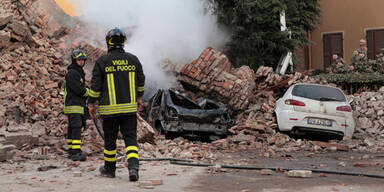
[{"x": 159, "y": 29}]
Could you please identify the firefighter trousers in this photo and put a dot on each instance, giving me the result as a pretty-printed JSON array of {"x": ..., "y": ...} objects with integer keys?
[
  {"x": 128, "y": 128},
  {"x": 75, "y": 123}
]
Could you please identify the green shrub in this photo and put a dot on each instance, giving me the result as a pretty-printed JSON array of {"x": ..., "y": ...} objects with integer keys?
[{"x": 255, "y": 26}]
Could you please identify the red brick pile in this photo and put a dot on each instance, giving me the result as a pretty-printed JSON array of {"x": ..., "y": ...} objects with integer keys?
[
  {"x": 250, "y": 95},
  {"x": 35, "y": 48},
  {"x": 30, "y": 74},
  {"x": 369, "y": 113},
  {"x": 36, "y": 39},
  {"x": 213, "y": 74}
]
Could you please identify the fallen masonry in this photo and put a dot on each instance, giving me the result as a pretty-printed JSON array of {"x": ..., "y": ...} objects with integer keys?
[
  {"x": 299, "y": 173},
  {"x": 35, "y": 46}
]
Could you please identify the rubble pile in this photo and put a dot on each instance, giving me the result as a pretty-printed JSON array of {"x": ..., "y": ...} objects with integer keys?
[
  {"x": 30, "y": 78},
  {"x": 213, "y": 74},
  {"x": 269, "y": 87},
  {"x": 176, "y": 148},
  {"x": 36, "y": 38},
  {"x": 256, "y": 123},
  {"x": 369, "y": 113},
  {"x": 35, "y": 49},
  {"x": 254, "y": 94}
]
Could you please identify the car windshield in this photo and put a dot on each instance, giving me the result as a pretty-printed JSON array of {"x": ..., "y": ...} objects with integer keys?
[{"x": 318, "y": 92}]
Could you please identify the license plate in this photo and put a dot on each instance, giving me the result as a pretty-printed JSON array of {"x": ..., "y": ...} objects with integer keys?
[{"x": 323, "y": 122}]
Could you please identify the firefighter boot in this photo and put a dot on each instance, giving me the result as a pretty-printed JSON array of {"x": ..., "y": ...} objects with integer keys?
[
  {"x": 106, "y": 173},
  {"x": 133, "y": 174},
  {"x": 78, "y": 156},
  {"x": 70, "y": 153}
]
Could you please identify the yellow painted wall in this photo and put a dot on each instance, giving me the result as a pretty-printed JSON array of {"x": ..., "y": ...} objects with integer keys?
[{"x": 352, "y": 17}]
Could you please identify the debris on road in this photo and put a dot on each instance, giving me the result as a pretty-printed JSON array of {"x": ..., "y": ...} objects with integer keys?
[
  {"x": 299, "y": 173},
  {"x": 266, "y": 172},
  {"x": 339, "y": 147},
  {"x": 46, "y": 168},
  {"x": 157, "y": 182},
  {"x": 77, "y": 174},
  {"x": 6, "y": 152}
]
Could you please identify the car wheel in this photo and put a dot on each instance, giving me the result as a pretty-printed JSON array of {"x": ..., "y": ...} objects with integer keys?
[
  {"x": 339, "y": 137},
  {"x": 160, "y": 129}
]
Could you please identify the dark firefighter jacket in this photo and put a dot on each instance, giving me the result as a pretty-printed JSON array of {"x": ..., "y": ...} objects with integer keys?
[
  {"x": 117, "y": 81},
  {"x": 75, "y": 92}
]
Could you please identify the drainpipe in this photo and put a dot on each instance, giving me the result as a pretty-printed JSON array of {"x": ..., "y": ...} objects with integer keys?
[{"x": 309, "y": 51}]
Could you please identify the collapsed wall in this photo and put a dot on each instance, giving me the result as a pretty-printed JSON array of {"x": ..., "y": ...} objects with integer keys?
[
  {"x": 36, "y": 40},
  {"x": 213, "y": 74},
  {"x": 30, "y": 75}
]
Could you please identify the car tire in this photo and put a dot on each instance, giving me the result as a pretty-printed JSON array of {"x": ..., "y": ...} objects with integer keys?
[
  {"x": 339, "y": 137},
  {"x": 160, "y": 129}
]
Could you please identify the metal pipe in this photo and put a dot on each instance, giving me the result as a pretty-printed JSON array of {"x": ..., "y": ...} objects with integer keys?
[{"x": 282, "y": 168}]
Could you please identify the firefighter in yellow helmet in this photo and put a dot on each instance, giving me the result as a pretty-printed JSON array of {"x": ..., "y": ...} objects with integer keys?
[
  {"x": 117, "y": 86},
  {"x": 75, "y": 96}
]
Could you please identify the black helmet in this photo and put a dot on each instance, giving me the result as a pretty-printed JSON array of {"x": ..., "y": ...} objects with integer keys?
[
  {"x": 116, "y": 38},
  {"x": 78, "y": 54}
]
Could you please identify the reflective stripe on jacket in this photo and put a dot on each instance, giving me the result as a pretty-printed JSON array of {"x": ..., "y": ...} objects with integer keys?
[{"x": 117, "y": 81}]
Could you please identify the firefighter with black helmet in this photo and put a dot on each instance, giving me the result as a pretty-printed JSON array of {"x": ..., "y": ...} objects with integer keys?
[
  {"x": 117, "y": 85},
  {"x": 75, "y": 96}
]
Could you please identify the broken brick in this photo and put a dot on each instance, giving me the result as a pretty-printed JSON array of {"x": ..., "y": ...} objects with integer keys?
[{"x": 338, "y": 147}]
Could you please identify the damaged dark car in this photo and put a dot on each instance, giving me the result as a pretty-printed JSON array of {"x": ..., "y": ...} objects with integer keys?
[{"x": 174, "y": 114}]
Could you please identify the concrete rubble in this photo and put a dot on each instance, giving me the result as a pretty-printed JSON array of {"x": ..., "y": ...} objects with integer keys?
[
  {"x": 299, "y": 173},
  {"x": 35, "y": 46}
]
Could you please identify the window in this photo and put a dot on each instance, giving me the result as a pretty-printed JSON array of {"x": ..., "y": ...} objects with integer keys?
[
  {"x": 318, "y": 92},
  {"x": 375, "y": 41},
  {"x": 332, "y": 44}
]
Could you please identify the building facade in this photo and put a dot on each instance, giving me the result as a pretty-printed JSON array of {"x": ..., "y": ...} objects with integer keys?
[{"x": 343, "y": 24}]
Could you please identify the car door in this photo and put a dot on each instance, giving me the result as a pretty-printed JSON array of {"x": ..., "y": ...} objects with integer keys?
[{"x": 155, "y": 110}]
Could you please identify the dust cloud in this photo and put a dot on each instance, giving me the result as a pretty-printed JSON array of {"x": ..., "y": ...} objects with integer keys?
[{"x": 178, "y": 30}]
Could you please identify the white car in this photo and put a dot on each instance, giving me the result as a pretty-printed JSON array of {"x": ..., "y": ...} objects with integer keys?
[{"x": 316, "y": 109}]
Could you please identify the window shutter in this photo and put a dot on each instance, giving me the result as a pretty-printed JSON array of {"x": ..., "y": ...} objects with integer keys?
[
  {"x": 333, "y": 44},
  {"x": 370, "y": 44},
  {"x": 379, "y": 36},
  {"x": 375, "y": 41}
]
